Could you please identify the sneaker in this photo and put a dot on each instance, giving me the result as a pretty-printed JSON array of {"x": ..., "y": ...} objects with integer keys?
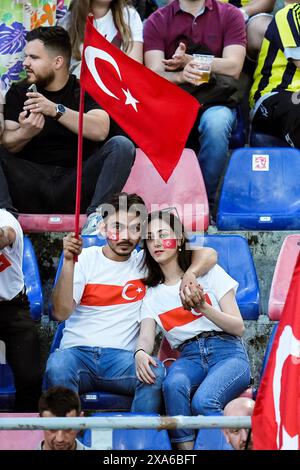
[{"x": 91, "y": 227}]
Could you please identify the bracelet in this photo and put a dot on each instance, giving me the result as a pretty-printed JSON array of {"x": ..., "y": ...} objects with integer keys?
[{"x": 140, "y": 349}]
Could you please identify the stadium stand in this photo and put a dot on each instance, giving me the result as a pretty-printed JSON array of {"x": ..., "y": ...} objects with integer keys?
[
  {"x": 35, "y": 296},
  {"x": 185, "y": 190},
  {"x": 282, "y": 276},
  {"x": 20, "y": 440},
  {"x": 129, "y": 439},
  {"x": 261, "y": 190}
]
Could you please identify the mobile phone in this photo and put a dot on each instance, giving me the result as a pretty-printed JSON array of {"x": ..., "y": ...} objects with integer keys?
[{"x": 32, "y": 89}]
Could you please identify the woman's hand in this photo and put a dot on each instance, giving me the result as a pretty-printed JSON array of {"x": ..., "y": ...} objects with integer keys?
[
  {"x": 142, "y": 366},
  {"x": 191, "y": 293}
]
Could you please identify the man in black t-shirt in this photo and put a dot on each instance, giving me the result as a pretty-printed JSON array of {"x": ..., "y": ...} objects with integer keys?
[{"x": 39, "y": 154}]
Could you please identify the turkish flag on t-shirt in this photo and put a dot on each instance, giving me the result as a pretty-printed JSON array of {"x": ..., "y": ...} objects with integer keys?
[
  {"x": 155, "y": 113},
  {"x": 4, "y": 262}
]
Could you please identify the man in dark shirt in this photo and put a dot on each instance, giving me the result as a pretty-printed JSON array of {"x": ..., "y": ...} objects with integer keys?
[{"x": 38, "y": 161}]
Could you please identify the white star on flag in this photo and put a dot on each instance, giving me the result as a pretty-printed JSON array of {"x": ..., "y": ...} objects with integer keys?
[
  {"x": 139, "y": 290},
  {"x": 130, "y": 99}
]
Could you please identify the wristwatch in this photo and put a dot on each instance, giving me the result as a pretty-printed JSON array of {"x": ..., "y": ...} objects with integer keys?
[{"x": 60, "y": 110}]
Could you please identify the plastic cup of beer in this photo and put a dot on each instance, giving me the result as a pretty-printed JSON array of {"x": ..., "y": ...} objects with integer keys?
[{"x": 203, "y": 63}]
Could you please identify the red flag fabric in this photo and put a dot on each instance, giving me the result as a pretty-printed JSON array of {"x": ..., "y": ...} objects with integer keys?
[
  {"x": 276, "y": 417},
  {"x": 155, "y": 113}
]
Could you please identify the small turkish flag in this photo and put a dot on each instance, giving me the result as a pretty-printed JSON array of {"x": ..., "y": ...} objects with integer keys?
[
  {"x": 4, "y": 262},
  {"x": 155, "y": 113},
  {"x": 169, "y": 243},
  {"x": 110, "y": 235},
  {"x": 103, "y": 295}
]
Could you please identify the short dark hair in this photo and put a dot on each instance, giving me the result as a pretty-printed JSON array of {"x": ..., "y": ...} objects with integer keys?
[
  {"x": 59, "y": 401},
  {"x": 155, "y": 275},
  {"x": 126, "y": 202},
  {"x": 54, "y": 38}
]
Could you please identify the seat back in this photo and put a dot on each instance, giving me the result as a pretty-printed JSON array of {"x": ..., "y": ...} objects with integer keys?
[
  {"x": 185, "y": 189},
  {"x": 258, "y": 139},
  {"x": 32, "y": 280},
  {"x": 234, "y": 256},
  {"x": 20, "y": 440},
  {"x": 283, "y": 274},
  {"x": 127, "y": 439},
  {"x": 211, "y": 439},
  {"x": 238, "y": 137},
  {"x": 261, "y": 190}
]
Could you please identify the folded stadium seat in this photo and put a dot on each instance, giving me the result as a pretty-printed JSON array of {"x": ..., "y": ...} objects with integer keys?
[
  {"x": 20, "y": 440},
  {"x": 261, "y": 190},
  {"x": 282, "y": 276},
  {"x": 185, "y": 190},
  {"x": 238, "y": 138},
  {"x": 34, "y": 291},
  {"x": 127, "y": 439},
  {"x": 95, "y": 400},
  {"x": 258, "y": 139}
]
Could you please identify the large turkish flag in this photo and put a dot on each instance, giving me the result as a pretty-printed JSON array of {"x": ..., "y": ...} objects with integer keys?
[
  {"x": 155, "y": 113},
  {"x": 276, "y": 417}
]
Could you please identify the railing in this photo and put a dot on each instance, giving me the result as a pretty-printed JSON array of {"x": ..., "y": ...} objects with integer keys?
[{"x": 126, "y": 422}]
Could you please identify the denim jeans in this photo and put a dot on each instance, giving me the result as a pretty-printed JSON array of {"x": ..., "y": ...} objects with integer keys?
[
  {"x": 37, "y": 188},
  {"x": 209, "y": 373},
  {"x": 85, "y": 369},
  {"x": 215, "y": 128}
]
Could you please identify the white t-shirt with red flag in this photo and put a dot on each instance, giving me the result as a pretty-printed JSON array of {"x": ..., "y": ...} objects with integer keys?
[
  {"x": 11, "y": 258},
  {"x": 163, "y": 304},
  {"x": 108, "y": 296}
]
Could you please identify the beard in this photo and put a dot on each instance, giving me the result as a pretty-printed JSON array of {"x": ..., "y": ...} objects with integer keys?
[{"x": 40, "y": 80}]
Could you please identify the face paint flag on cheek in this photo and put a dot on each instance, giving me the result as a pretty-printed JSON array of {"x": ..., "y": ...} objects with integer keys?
[
  {"x": 114, "y": 236},
  {"x": 169, "y": 243}
]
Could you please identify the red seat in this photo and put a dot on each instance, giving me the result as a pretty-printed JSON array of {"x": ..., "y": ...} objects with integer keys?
[
  {"x": 283, "y": 275},
  {"x": 20, "y": 440},
  {"x": 185, "y": 189}
]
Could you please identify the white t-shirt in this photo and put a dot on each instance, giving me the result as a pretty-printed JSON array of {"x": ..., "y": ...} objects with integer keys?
[
  {"x": 108, "y": 296},
  {"x": 163, "y": 304},
  {"x": 11, "y": 258},
  {"x": 107, "y": 28}
]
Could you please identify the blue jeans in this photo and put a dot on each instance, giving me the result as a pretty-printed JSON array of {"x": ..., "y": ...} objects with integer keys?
[
  {"x": 209, "y": 373},
  {"x": 215, "y": 128},
  {"x": 85, "y": 369}
]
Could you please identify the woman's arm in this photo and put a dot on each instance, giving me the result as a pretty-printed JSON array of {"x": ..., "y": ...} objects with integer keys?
[
  {"x": 229, "y": 319},
  {"x": 144, "y": 348}
]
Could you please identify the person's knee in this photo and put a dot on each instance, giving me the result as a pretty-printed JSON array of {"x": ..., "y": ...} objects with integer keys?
[
  {"x": 159, "y": 372},
  {"x": 59, "y": 369},
  {"x": 203, "y": 404},
  {"x": 216, "y": 123},
  {"x": 176, "y": 382}
]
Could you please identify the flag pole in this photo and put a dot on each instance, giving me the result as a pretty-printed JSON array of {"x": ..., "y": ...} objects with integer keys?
[{"x": 79, "y": 164}]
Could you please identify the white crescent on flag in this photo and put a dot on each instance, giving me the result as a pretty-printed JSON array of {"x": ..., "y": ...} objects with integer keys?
[
  {"x": 124, "y": 295},
  {"x": 90, "y": 55},
  {"x": 288, "y": 345}
]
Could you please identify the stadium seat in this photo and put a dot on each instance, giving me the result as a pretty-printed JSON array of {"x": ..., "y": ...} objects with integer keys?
[
  {"x": 261, "y": 190},
  {"x": 32, "y": 280},
  {"x": 238, "y": 138},
  {"x": 20, "y": 440},
  {"x": 34, "y": 291},
  {"x": 211, "y": 439},
  {"x": 95, "y": 400},
  {"x": 129, "y": 439},
  {"x": 185, "y": 190},
  {"x": 258, "y": 139},
  {"x": 282, "y": 276}
]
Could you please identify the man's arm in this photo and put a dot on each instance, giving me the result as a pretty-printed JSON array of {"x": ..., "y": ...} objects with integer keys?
[
  {"x": 95, "y": 121},
  {"x": 203, "y": 260},
  {"x": 259, "y": 6},
  {"x": 7, "y": 237},
  {"x": 62, "y": 296},
  {"x": 17, "y": 134},
  {"x": 154, "y": 61}
]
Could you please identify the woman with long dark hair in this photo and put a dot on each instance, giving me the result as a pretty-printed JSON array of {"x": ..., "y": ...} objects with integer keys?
[
  {"x": 213, "y": 367},
  {"x": 116, "y": 20}
]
